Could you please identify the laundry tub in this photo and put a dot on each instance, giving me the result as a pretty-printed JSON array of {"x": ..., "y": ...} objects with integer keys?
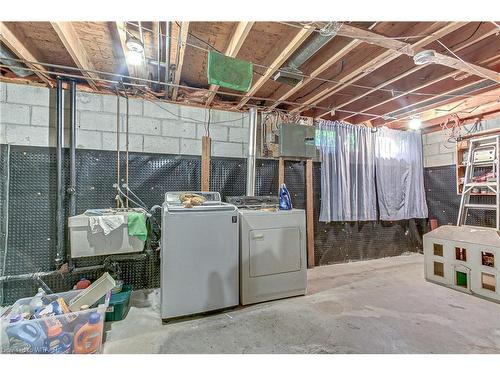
[{"x": 86, "y": 243}]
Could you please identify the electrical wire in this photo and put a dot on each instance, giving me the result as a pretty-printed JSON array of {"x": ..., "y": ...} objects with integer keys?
[
  {"x": 465, "y": 62},
  {"x": 396, "y": 91},
  {"x": 469, "y": 37}
]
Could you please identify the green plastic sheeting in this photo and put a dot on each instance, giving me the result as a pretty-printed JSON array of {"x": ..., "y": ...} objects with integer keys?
[
  {"x": 229, "y": 72},
  {"x": 137, "y": 225}
]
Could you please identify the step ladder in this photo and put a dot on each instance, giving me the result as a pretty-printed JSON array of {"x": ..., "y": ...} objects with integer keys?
[{"x": 483, "y": 153}]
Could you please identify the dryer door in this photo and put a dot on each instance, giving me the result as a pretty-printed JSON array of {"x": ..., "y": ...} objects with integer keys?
[{"x": 274, "y": 251}]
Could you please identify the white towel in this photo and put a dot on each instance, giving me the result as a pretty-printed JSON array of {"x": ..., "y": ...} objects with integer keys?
[{"x": 105, "y": 223}]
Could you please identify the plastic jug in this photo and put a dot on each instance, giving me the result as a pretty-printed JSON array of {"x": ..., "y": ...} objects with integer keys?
[
  {"x": 88, "y": 338},
  {"x": 26, "y": 337},
  {"x": 285, "y": 199}
]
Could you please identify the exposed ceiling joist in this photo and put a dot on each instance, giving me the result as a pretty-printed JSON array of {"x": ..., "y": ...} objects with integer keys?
[
  {"x": 469, "y": 106},
  {"x": 429, "y": 39},
  {"x": 407, "y": 49},
  {"x": 328, "y": 63},
  {"x": 178, "y": 71},
  {"x": 417, "y": 88},
  {"x": 22, "y": 51},
  {"x": 74, "y": 46},
  {"x": 374, "y": 64},
  {"x": 404, "y": 74},
  {"x": 239, "y": 36},
  {"x": 296, "y": 42},
  {"x": 122, "y": 34}
]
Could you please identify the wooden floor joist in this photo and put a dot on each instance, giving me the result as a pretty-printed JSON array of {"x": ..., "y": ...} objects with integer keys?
[
  {"x": 237, "y": 40},
  {"x": 22, "y": 50},
  {"x": 76, "y": 50},
  {"x": 205, "y": 163},
  {"x": 296, "y": 42},
  {"x": 178, "y": 70},
  {"x": 375, "y": 64}
]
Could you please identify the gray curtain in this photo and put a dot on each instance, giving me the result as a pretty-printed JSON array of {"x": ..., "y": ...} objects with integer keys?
[
  {"x": 399, "y": 174},
  {"x": 347, "y": 172}
]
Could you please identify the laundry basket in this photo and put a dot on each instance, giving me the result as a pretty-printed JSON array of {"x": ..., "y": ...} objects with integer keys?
[{"x": 78, "y": 332}]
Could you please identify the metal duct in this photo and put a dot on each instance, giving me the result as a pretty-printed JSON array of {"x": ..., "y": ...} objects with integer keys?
[
  {"x": 168, "y": 30},
  {"x": 15, "y": 66},
  {"x": 59, "y": 172},
  {"x": 252, "y": 138},
  {"x": 310, "y": 49}
]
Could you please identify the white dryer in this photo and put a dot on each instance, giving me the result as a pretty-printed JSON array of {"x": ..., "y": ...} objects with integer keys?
[{"x": 273, "y": 261}]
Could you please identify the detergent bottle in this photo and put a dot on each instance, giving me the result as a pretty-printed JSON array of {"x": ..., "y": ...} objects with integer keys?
[
  {"x": 285, "y": 199},
  {"x": 88, "y": 337},
  {"x": 26, "y": 337},
  {"x": 57, "y": 342}
]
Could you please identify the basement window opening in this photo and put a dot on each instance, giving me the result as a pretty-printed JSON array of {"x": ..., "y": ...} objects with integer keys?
[
  {"x": 439, "y": 269},
  {"x": 461, "y": 254},
  {"x": 487, "y": 259},
  {"x": 488, "y": 281},
  {"x": 438, "y": 249}
]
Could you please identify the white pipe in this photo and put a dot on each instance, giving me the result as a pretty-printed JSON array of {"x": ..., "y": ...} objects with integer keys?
[{"x": 252, "y": 138}]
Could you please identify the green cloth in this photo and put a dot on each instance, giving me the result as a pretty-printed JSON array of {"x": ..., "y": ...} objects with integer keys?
[
  {"x": 229, "y": 72},
  {"x": 137, "y": 225}
]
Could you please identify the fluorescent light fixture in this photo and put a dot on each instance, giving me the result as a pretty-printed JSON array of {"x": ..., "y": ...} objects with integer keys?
[
  {"x": 415, "y": 124},
  {"x": 134, "y": 58}
]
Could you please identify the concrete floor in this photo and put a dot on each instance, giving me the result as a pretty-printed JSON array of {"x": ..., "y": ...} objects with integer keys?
[{"x": 377, "y": 306}]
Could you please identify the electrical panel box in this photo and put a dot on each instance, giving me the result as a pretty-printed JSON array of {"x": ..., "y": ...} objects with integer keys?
[{"x": 297, "y": 140}]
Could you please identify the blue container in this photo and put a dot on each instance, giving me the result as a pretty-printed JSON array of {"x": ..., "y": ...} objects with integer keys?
[
  {"x": 285, "y": 199},
  {"x": 26, "y": 337}
]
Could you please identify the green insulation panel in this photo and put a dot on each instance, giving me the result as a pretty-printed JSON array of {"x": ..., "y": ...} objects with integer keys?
[{"x": 229, "y": 72}]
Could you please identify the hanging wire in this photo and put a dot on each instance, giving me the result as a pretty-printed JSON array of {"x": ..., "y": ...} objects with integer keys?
[{"x": 302, "y": 74}]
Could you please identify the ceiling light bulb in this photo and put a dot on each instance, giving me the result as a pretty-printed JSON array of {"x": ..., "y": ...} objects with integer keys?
[
  {"x": 134, "y": 57},
  {"x": 134, "y": 44},
  {"x": 415, "y": 124}
]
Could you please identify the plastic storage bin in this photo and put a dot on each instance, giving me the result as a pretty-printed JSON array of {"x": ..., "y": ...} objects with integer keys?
[
  {"x": 76, "y": 332},
  {"x": 119, "y": 304}
]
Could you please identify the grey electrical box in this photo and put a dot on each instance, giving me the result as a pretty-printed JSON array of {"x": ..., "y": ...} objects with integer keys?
[{"x": 297, "y": 140}]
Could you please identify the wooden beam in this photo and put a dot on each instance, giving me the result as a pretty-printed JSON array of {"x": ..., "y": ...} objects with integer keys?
[
  {"x": 182, "y": 50},
  {"x": 296, "y": 42},
  {"x": 281, "y": 172},
  {"x": 237, "y": 40},
  {"x": 122, "y": 34},
  {"x": 74, "y": 46},
  {"x": 407, "y": 49},
  {"x": 419, "y": 87},
  {"x": 418, "y": 111},
  {"x": 402, "y": 48},
  {"x": 468, "y": 106},
  {"x": 310, "y": 213},
  {"x": 374, "y": 64},
  {"x": 22, "y": 51},
  {"x": 452, "y": 26},
  {"x": 205, "y": 163}
]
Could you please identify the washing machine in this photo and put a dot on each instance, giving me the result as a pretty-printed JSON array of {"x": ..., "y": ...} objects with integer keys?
[
  {"x": 199, "y": 256},
  {"x": 273, "y": 261}
]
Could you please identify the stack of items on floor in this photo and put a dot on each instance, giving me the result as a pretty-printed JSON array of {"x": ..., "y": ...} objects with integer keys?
[{"x": 68, "y": 322}]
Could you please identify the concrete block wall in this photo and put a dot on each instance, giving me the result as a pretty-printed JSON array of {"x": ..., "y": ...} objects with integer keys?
[
  {"x": 27, "y": 117},
  {"x": 438, "y": 152}
]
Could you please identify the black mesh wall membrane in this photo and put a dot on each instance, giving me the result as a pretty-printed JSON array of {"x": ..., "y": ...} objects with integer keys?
[
  {"x": 338, "y": 242},
  {"x": 31, "y": 243},
  {"x": 444, "y": 202}
]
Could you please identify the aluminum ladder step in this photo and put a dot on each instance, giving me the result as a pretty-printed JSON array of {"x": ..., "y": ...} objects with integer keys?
[
  {"x": 480, "y": 184},
  {"x": 481, "y": 206}
]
